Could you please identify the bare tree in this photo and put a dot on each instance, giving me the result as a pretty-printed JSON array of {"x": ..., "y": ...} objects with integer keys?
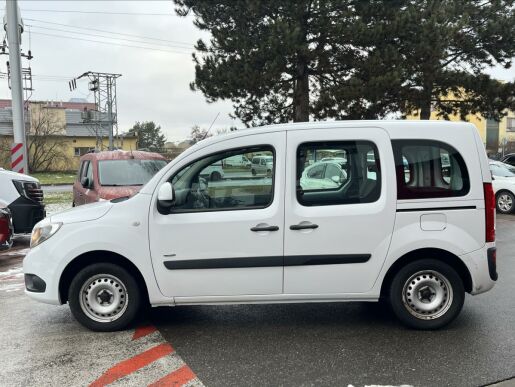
[
  {"x": 197, "y": 134},
  {"x": 46, "y": 140},
  {"x": 5, "y": 151}
]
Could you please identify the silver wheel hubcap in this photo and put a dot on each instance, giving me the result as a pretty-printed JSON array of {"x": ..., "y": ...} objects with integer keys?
[
  {"x": 103, "y": 298},
  {"x": 505, "y": 202},
  {"x": 427, "y": 295}
]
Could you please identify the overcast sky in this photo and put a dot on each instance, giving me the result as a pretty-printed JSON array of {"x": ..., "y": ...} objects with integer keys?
[{"x": 154, "y": 84}]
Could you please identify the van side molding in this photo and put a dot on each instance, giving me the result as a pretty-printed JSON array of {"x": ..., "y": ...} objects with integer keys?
[{"x": 271, "y": 261}]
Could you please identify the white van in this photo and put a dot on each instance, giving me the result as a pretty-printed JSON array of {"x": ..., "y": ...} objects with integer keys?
[
  {"x": 24, "y": 197},
  {"x": 419, "y": 233}
]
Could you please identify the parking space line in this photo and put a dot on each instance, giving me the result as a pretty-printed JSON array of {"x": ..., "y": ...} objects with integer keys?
[
  {"x": 133, "y": 364},
  {"x": 177, "y": 378},
  {"x": 143, "y": 331}
]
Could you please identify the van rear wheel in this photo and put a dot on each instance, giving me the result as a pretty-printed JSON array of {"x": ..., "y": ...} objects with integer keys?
[
  {"x": 104, "y": 297},
  {"x": 426, "y": 294}
]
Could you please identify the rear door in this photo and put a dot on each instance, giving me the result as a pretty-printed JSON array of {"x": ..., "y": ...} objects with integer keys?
[{"x": 337, "y": 238}]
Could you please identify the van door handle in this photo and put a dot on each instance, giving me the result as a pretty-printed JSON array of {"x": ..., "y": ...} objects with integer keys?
[
  {"x": 303, "y": 226},
  {"x": 264, "y": 228}
]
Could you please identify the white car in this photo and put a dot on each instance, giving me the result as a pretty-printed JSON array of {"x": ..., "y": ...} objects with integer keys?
[
  {"x": 324, "y": 174},
  {"x": 240, "y": 161},
  {"x": 504, "y": 186},
  {"x": 420, "y": 241},
  {"x": 262, "y": 165}
]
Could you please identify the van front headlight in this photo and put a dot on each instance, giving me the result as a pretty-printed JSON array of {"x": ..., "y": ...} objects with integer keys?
[{"x": 43, "y": 232}]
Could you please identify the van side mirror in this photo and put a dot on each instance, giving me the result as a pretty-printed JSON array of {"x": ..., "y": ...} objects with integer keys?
[
  {"x": 336, "y": 179},
  {"x": 166, "y": 195},
  {"x": 86, "y": 183}
]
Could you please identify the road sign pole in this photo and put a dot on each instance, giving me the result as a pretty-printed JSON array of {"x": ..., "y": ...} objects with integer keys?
[{"x": 19, "y": 148}]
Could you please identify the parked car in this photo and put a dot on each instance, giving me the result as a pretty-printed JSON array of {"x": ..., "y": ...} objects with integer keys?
[
  {"x": 325, "y": 174},
  {"x": 113, "y": 174},
  {"x": 6, "y": 227},
  {"x": 24, "y": 198},
  {"x": 504, "y": 186},
  {"x": 240, "y": 161},
  {"x": 508, "y": 159},
  {"x": 420, "y": 243},
  {"x": 213, "y": 172},
  {"x": 262, "y": 165}
]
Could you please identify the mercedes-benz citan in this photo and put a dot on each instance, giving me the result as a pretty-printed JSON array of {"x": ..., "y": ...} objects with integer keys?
[{"x": 411, "y": 221}]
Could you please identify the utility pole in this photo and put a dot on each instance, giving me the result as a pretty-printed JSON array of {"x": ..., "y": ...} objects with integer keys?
[
  {"x": 14, "y": 30},
  {"x": 106, "y": 114}
]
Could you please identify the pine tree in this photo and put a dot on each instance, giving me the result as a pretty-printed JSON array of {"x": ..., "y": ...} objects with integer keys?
[
  {"x": 281, "y": 61},
  {"x": 149, "y": 136}
]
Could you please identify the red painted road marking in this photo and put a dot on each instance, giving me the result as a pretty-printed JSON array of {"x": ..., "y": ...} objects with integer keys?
[
  {"x": 128, "y": 366},
  {"x": 143, "y": 331},
  {"x": 176, "y": 378}
]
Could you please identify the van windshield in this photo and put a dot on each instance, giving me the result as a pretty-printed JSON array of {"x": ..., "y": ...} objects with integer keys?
[{"x": 121, "y": 173}]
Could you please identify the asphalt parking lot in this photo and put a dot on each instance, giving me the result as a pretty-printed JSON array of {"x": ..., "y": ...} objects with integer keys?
[{"x": 291, "y": 345}]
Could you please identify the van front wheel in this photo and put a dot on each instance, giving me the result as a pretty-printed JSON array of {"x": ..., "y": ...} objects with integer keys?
[
  {"x": 104, "y": 297},
  {"x": 427, "y": 294}
]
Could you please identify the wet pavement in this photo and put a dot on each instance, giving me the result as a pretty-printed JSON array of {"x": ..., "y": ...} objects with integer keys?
[
  {"x": 259, "y": 345},
  {"x": 350, "y": 343}
]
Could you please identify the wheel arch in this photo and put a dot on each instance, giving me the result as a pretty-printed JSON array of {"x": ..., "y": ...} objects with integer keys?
[
  {"x": 98, "y": 256},
  {"x": 439, "y": 254}
]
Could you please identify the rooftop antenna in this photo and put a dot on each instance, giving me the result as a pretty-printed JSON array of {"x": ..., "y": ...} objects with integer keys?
[{"x": 210, "y": 126}]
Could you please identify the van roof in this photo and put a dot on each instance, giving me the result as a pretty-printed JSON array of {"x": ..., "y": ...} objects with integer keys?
[
  {"x": 395, "y": 128},
  {"x": 123, "y": 155}
]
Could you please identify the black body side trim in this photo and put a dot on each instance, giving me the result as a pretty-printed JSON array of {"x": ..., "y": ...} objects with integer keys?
[
  {"x": 436, "y": 208},
  {"x": 492, "y": 263},
  {"x": 330, "y": 259},
  {"x": 273, "y": 261}
]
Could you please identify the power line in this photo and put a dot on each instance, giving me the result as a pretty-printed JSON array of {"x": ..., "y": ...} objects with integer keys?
[
  {"x": 109, "y": 43},
  {"x": 104, "y": 36},
  {"x": 111, "y": 32},
  {"x": 97, "y": 12}
]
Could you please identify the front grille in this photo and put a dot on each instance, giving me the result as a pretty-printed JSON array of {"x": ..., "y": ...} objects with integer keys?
[{"x": 34, "y": 191}]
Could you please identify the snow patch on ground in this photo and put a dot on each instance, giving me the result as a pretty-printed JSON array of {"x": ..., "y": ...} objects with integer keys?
[{"x": 12, "y": 280}]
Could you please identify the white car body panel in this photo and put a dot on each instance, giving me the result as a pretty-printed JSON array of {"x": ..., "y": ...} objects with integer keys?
[{"x": 135, "y": 230}]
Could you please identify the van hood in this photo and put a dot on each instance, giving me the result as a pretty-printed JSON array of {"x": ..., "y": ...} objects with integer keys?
[
  {"x": 83, "y": 213},
  {"x": 17, "y": 176}
]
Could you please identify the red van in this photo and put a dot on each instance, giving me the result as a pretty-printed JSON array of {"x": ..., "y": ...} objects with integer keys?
[{"x": 113, "y": 174}]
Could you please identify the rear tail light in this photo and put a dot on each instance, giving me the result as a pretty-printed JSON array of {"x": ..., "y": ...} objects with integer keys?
[{"x": 489, "y": 212}]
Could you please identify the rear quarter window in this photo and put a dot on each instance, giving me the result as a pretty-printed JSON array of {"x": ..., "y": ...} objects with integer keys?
[{"x": 429, "y": 169}]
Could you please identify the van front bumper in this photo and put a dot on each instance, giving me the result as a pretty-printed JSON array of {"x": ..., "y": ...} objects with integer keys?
[
  {"x": 481, "y": 265},
  {"x": 39, "y": 270}
]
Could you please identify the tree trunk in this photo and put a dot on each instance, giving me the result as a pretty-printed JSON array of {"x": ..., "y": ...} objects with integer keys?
[
  {"x": 425, "y": 103},
  {"x": 301, "y": 93}
]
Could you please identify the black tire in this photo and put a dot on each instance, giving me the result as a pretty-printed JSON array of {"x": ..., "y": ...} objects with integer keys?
[
  {"x": 215, "y": 176},
  {"x": 269, "y": 173},
  {"x": 505, "y": 202},
  {"x": 130, "y": 296},
  {"x": 254, "y": 172},
  {"x": 426, "y": 276}
]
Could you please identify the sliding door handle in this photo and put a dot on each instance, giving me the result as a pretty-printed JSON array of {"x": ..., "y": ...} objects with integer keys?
[
  {"x": 303, "y": 226},
  {"x": 264, "y": 228}
]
